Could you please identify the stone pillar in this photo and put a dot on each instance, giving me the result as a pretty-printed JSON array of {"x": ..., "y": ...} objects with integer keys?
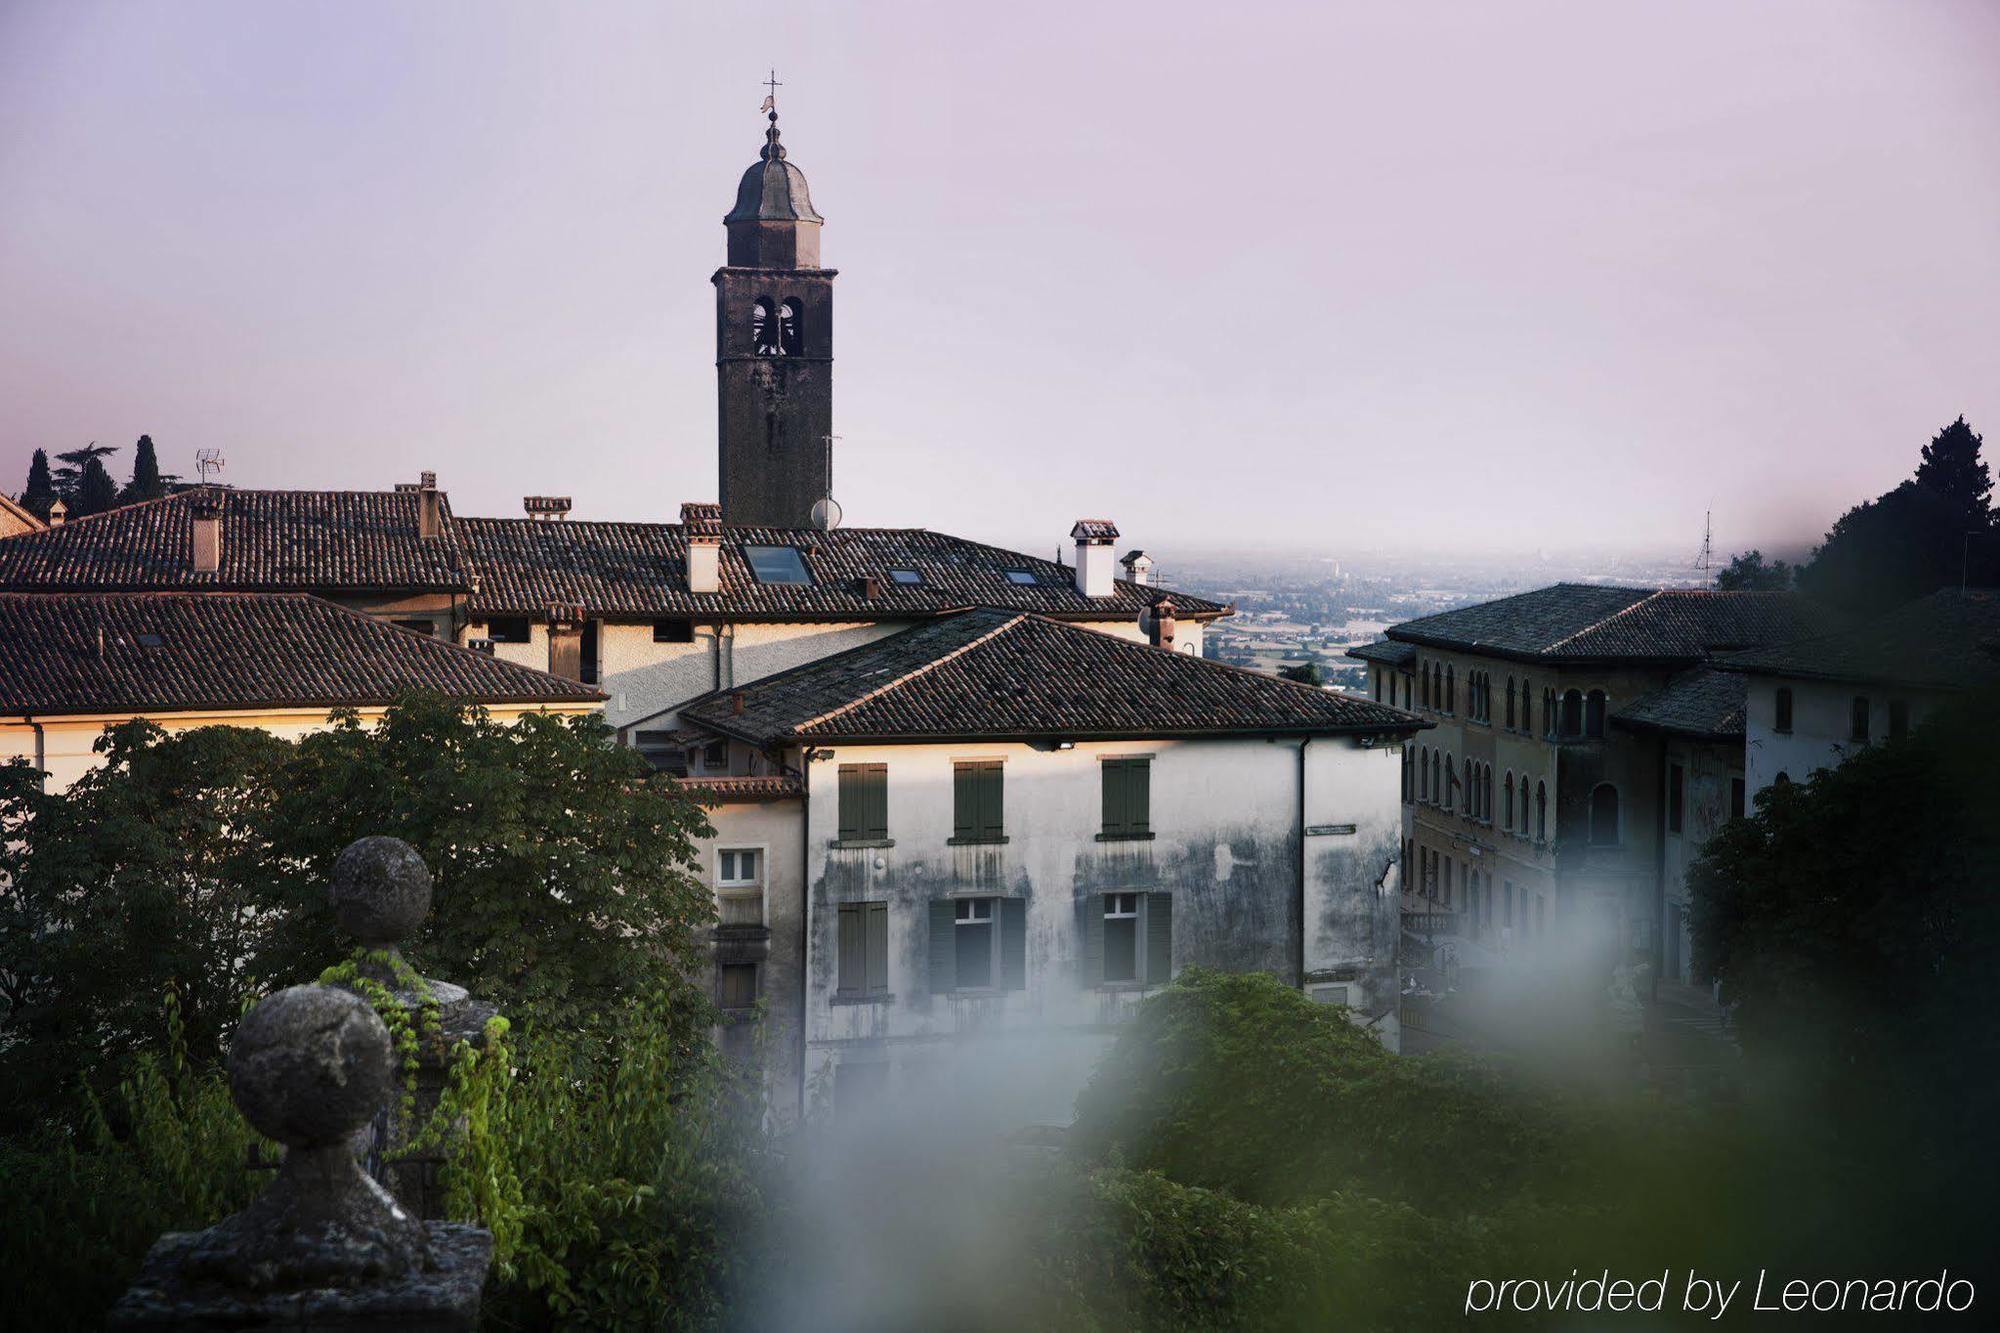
[
  {"x": 325, "y": 1247},
  {"x": 381, "y": 894}
]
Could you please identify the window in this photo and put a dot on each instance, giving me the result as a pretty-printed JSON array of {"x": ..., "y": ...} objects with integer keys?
[
  {"x": 715, "y": 756},
  {"x": 1377, "y": 685},
  {"x": 739, "y": 886},
  {"x": 425, "y": 627},
  {"x": 1426, "y": 673},
  {"x": 508, "y": 629},
  {"x": 1899, "y": 718},
  {"x": 1541, "y": 812},
  {"x": 737, "y": 984},
  {"x": 790, "y": 341},
  {"x": 1572, "y": 713},
  {"x": 1423, "y": 773},
  {"x": 1736, "y": 797},
  {"x": 1549, "y": 713},
  {"x": 863, "y": 950},
  {"x": 1507, "y": 903},
  {"x": 1676, "y": 796},
  {"x": 1450, "y": 689},
  {"x": 662, "y": 751},
  {"x": 1437, "y": 779},
  {"x": 673, "y": 631},
  {"x": 1781, "y": 719},
  {"x": 1468, "y": 795},
  {"x": 905, "y": 576},
  {"x": 1593, "y": 715},
  {"x": 151, "y": 640},
  {"x": 1858, "y": 718},
  {"x": 1510, "y": 703},
  {"x": 1604, "y": 815},
  {"x": 1527, "y": 711},
  {"x": 776, "y": 564},
  {"x": 978, "y": 944},
  {"x": 978, "y": 801},
  {"x": 1507, "y": 803},
  {"x": 1023, "y": 577},
  {"x": 864, "y": 802},
  {"x": 1335, "y": 995},
  {"x": 1128, "y": 798},
  {"x": 1121, "y": 937}
]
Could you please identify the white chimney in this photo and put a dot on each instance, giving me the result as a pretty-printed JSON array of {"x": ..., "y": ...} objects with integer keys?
[
  {"x": 206, "y": 552},
  {"x": 1093, "y": 537},
  {"x": 703, "y": 525},
  {"x": 1138, "y": 567}
]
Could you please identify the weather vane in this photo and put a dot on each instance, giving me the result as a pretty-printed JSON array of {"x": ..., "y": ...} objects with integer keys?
[{"x": 771, "y": 101}]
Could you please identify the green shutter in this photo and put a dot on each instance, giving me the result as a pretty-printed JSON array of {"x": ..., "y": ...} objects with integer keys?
[
  {"x": 1115, "y": 785},
  {"x": 878, "y": 801},
  {"x": 852, "y": 951},
  {"x": 877, "y": 936},
  {"x": 850, "y": 808},
  {"x": 1139, "y": 796},
  {"x": 965, "y": 801},
  {"x": 1013, "y": 943},
  {"x": 1090, "y": 911},
  {"x": 1159, "y": 938},
  {"x": 944, "y": 956},
  {"x": 992, "y": 805},
  {"x": 864, "y": 802}
]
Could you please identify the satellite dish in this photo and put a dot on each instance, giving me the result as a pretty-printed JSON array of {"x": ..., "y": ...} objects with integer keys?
[{"x": 826, "y": 514}]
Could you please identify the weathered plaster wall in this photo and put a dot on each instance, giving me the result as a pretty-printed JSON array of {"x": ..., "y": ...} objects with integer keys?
[
  {"x": 1226, "y": 847},
  {"x": 1708, "y": 769},
  {"x": 1821, "y": 720}
]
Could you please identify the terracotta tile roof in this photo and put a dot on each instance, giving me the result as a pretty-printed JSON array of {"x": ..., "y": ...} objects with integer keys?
[
  {"x": 1580, "y": 622},
  {"x": 1094, "y": 529},
  {"x": 163, "y": 652},
  {"x": 307, "y": 541},
  {"x": 993, "y": 675},
  {"x": 640, "y": 569},
  {"x": 742, "y": 791},
  {"x": 1703, "y": 703},
  {"x": 1949, "y": 640}
]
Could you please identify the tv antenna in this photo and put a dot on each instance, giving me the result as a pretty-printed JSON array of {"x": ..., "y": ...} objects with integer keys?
[
  {"x": 1707, "y": 543},
  {"x": 208, "y": 462}
]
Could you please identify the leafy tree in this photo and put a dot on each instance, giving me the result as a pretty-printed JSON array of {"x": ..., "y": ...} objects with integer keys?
[
  {"x": 1927, "y": 534},
  {"x": 1748, "y": 573},
  {"x": 83, "y": 482},
  {"x": 41, "y": 492},
  {"x": 1305, "y": 673},
  {"x": 1853, "y": 922},
  {"x": 1952, "y": 467},
  {"x": 199, "y": 860},
  {"x": 147, "y": 481}
]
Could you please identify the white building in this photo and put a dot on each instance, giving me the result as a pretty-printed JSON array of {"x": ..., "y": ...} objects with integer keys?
[{"x": 1004, "y": 830}]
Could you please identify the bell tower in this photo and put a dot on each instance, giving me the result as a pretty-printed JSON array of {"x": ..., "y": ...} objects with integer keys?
[{"x": 774, "y": 350}]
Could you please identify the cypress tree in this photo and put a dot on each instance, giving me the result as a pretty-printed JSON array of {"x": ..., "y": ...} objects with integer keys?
[
  {"x": 95, "y": 490},
  {"x": 146, "y": 483},
  {"x": 41, "y": 492}
]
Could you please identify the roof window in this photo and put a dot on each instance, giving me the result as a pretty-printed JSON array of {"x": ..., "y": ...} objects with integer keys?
[
  {"x": 906, "y": 576},
  {"x": 777, "y": 564},
  {"x": 1025, "y": 577}
]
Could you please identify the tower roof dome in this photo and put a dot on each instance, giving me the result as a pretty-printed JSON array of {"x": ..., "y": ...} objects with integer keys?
[{"x": 773, "y": 190}]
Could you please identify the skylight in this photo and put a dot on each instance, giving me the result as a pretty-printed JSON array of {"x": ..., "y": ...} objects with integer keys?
[
  {"x": 152, "y": 641},
  {"x": 1024, "y": 577},
  {"x": 777, "y": 564},
  {"x": 905, "y": 576}
]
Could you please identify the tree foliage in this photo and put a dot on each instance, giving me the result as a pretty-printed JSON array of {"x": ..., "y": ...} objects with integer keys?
[
  {"x": 1747, "y": 572},
  {"x": 147, "y": 482},
  {"x": 83, "y": 482},
  {"x": 200, "y": 860},
  {"x": 41, "y": 490},
  {"x": 1929, "y": 533}
]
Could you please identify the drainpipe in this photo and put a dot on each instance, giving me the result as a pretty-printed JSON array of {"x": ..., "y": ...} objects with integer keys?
[
  {"x": 805, "y": 912},
  {"x": 41, "y": 754},
  {"x": 715, "y": 655},
  {"x": 1300, "y": 957},
  {"x": 1660, "y": 869}
]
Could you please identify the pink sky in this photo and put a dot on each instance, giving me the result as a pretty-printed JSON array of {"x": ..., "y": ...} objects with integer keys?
[{"x": 1493, "y": 276}]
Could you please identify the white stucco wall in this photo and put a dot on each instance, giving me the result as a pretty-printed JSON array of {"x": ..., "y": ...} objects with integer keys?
[
  {"x": 1821, "y": 718},
  {"x": 1226, "y": 846}
]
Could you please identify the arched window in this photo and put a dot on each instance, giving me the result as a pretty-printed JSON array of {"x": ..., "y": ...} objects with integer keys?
[
  {"x": 1527, "y": 712},
  {"x": 1408, "y": 761},
  {"x": 1782, "y": 715},
  {"x": 1857, "y": 728},
  {"x": 764, "y": 337},
  {"x": 1507, "y": 802},
  {"x": 791, "y": 328},
  {"x": 1548, "y": 712},
  {"x": 1424, "y": 773},
  {"x": 1510, "y": 703},
  {"x": 1468, "y": 796},
  {"x": 1486, "y": 791},
  {"x": 1377, "y": 674},
  {"x": 1572, "y": 714},
  {"x": 1451, "y": 689},
  {"x": 1425, "y": 672},
  {"x": 1593, "y": 715},
  {"x": 1604, "y": 815},
  {"x": 1438, "y": 770},
  {"x": 1541, "y": 812}
]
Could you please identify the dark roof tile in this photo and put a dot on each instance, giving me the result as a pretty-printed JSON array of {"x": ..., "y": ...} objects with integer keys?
[
  {"x": 1703, "y": 703},
  {"x": 1949, "y": 640},
  {"x": 1581, "y": 622}
]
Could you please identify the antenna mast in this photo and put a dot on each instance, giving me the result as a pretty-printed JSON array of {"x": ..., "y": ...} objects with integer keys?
[{"x": 1707, "y": 543}]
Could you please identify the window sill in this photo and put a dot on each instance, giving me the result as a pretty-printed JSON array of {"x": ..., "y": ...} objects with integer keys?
[
  {"x": 884, "y": 998},
  {"x": 1124, "y": 986},
  {"x": 856, "y": 844},
  {"x": 975, "y": 842},
  {"x": 1125, "y": 837}
]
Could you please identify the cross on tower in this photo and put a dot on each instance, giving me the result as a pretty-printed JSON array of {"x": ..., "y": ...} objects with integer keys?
[{"x": 771, "y": 102}]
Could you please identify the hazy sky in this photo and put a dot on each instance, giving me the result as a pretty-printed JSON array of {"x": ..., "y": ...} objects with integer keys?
[{"x": 1466, "y": 276}]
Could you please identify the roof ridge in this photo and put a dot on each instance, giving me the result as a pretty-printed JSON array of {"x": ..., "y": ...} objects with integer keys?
[
  {"x": 1596, "y": 625},
  {"x": 909, "y": 676}
]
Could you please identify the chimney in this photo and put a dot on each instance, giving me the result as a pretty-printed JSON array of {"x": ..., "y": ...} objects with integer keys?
[
  {"x": 548, "y": 508},
  {"x": 58, "y": 511},
  {"x": 736, "y": 703},
  {"x": 703, "y": 525},
  {"x": 206, "y": 554},
  {"x": 1138, "y": 567},
  {"x": 1093, "y": 537},
  {"x": 430, "y": 506},
  {"x": 1160, "y": 625}
]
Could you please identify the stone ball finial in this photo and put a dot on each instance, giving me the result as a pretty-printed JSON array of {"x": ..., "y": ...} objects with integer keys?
[
  {"x": 381, "y": 891},
  {"x": 310, "y": 1065}
]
